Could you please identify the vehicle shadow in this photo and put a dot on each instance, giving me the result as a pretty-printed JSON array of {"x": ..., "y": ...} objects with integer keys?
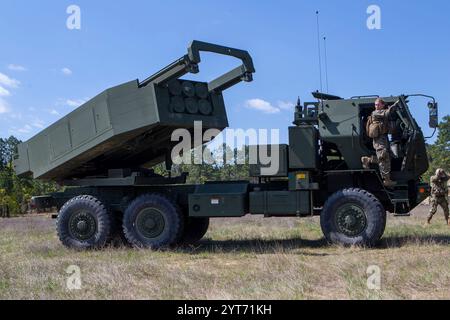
[
  {"x": 283, "y": 245},
  {"x": 255, "y": 246},
  {"x": 401, "y": 241}
]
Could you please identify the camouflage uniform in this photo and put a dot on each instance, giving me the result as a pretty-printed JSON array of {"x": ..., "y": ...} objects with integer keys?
[
  {"x": 439, "y": 194},
  {"x": 381, "y": 144}
]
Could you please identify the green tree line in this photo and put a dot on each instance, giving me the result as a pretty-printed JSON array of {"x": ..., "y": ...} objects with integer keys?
[
  {"x": 15, "y": 192},
  {"x": 439, "y": 152},
  {"x": 230, "y": 165}
]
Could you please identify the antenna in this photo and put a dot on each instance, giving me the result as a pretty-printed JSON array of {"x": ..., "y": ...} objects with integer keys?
[
  {"x": 326, "y": 62},
  {"x": 318, "y": 46}
]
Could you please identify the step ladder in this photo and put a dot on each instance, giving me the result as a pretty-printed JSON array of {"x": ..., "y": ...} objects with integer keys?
[
  {"x": 397, "y": 204},
  {"x": 402, "y": 202}
]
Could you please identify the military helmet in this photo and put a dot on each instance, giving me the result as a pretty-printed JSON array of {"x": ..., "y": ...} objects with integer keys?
[{"x": 440, "y": 172}]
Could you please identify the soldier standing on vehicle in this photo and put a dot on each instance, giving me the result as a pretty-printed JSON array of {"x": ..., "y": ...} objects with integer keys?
[
  {"x": 439, "y": 194},
  {"x": 378, "y": 128}
]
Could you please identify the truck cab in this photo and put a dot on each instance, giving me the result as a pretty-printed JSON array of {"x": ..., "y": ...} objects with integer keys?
[{"x": 340, "y": 125}]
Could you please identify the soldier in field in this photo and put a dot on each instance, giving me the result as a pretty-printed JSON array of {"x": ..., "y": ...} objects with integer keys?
[
  {"x": 378, "y": 130},
  {"x": 439, "y": 194}
]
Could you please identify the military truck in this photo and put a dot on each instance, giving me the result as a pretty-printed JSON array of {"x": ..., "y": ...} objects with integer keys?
[{"x": 102, "y": 152}]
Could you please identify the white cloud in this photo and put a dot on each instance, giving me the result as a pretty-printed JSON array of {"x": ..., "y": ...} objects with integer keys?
[
  {"x": 66, "y": 71},
  {"x": 16, "y": 67},
  {"x": 54, "y": 112},
  {"x": 25, "y": 129},
  {"x": 4, "y": 107},
  {"x": 32, "y": 125},
  {"x": 261, "y": 105},
  {"x": 8, "y": 82},
  {"x": 38, "y": 123},
  {"x": 16, "y": 116},
  {"x": 75, "y": 103},
  {"x": 285, "y": 105},
  {"x": 4, "y": 92}
]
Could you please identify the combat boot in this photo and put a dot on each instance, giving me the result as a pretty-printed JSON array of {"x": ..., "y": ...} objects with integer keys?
[
  {"x": 388, "y": 182},
  {"x": 366, "y": 162}
]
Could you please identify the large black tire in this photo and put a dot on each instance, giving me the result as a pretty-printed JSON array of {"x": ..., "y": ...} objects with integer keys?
[
  {"x": 153, "y": 221},
  {"x": 353, "y": 217},
  {"x": 194, "y": 230},
  {"x": 84, "y": 223}
]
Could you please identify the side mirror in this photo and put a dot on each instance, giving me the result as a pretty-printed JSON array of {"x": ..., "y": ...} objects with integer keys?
[{"x": 433, "y": 111}]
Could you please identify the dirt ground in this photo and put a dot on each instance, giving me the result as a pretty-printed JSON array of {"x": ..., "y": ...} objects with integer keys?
[{"x": 248, "y": 258}]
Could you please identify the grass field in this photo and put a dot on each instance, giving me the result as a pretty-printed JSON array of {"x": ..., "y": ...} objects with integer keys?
[{"x": 249, "y": 258}]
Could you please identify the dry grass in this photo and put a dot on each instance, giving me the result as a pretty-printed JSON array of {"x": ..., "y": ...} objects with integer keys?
[{"x": 249, "y": 258}]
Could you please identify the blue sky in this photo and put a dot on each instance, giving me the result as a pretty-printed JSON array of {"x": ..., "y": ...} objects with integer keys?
[{"x": 46, "y": 70}]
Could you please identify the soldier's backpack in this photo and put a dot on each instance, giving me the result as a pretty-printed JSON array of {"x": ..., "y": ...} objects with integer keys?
[{"x": 377, "y": 126}]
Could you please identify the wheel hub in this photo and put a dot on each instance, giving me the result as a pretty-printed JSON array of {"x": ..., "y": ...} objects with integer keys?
[
  {"x": 351, "y": 220},
  {"x": 82, "y": 225},
  {"x": 150, "y": 223}
]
